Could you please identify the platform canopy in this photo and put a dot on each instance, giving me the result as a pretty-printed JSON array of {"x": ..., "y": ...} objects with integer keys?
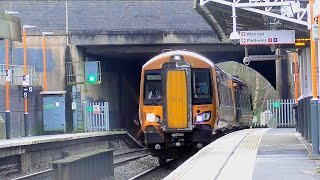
[
  {"x": 10, "y": 27},
  {"x": 218, "y": 14}
]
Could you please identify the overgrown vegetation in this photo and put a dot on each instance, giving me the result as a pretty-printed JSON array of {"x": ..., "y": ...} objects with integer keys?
[{"x": 260, "y": 88}]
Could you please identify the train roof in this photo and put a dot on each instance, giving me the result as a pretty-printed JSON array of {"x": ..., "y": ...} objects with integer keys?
[
  {"x": 196, "y": 55},
  {"x": 189, "y": 53}
]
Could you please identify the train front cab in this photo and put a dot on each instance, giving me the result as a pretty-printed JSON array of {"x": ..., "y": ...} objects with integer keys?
[{"x": 178, "y": 102}]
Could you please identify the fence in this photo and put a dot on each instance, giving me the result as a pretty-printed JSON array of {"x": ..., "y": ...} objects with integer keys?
[
  {"x": 16, "y": 74},
  {"x": 96, "y": 116},
  {"x": 281, "y": 113}
]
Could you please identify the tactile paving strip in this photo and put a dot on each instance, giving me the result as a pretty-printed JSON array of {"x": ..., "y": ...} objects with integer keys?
[
  {"x": 210, "y": 162},
  {"x": 241, "y": 163}
]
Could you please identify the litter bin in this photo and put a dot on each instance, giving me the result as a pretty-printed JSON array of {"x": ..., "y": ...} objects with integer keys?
[{"x": 54, "y": 116}]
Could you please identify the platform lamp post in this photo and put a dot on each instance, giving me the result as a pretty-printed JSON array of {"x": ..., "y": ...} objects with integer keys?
[
  {"x": 45, "y": 59},
  {"x": 317, "y": 16},
  {"x": 314, "y": 101},
  {"x": 25, "y": 77},
  {"x": 8, "y": 79}
]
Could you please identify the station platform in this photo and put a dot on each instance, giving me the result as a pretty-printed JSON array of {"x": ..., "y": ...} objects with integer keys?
[
  {"x": 20, "y": 156},
  {"x": 25, "y": 141},
  {"x": 258, "y": 154}
]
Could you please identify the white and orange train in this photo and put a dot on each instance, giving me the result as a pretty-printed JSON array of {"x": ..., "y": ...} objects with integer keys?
[{"x": 185, "y": 100}]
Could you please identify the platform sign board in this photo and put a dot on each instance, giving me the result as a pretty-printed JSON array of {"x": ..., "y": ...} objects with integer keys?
[
  {"x": 266, "y": 57},
  {"x": 25, "y": 80},
  {"x": 96, "y": 109},
  {"x": 315, "y": 32},
  {"x": 316, "y": 7},
  {"x": 8, "y": 75},
  {"x": 267, "y": 37},
  {"x": 25, "y": 91}
]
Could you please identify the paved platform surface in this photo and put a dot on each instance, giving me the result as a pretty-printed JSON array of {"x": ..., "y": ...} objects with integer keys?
[
  {"x": 259, "y": 154},
  {"x": 23, "y": 141}
]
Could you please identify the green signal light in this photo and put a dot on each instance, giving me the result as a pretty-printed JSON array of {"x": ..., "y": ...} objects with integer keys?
[{"x": 92, "y": 79}]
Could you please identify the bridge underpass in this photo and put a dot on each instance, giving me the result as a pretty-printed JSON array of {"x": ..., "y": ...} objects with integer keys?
[
  {"x": 121, "y": 69},
  {"x": 120, "y": 40}
]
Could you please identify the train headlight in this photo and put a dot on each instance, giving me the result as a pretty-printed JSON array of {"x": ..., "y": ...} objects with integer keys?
[
  {"x": 176, "y": 57},
  {"x": 150, "y": 117},
  {"x": 205, "y": 116}
]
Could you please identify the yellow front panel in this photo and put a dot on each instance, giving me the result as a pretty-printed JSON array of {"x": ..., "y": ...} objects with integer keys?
[{"x": 177, "y": 99}]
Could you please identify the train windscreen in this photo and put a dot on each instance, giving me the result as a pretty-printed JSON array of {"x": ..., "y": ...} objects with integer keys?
[
  {"x": 152, "y": 88},
  {"x": 201, "y": 86}
]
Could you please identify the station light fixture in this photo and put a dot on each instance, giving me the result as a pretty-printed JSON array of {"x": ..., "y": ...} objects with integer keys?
[
  {"x": 10, "y": 12},
  {"x": 27, "y": 26}
]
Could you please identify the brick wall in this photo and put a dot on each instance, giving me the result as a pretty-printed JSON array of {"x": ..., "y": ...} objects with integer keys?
[{"x": 108, "y": 14}]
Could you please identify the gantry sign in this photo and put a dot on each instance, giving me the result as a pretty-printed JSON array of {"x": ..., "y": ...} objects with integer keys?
[
  {"x": 10, "y": 27},
  {"x": 227, "y": 17}
]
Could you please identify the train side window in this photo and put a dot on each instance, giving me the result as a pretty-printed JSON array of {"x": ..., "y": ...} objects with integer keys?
[{"x": 219, "y": 87}]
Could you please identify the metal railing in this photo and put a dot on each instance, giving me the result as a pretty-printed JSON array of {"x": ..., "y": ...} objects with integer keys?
[
  {"x": 17, "y": 74},
  {"x": 75, "y": 73},
  {"x": 281, "y": 113},
  {"x": 96, "y": 116}
]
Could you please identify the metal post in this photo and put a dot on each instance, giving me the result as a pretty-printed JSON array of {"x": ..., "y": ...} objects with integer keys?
[
  {"x": 26, "y": 130},
  {"x": 305, "y": 119},
  {"x": 315, "y": 128},
  {"x": 313, "y": 54},
  {"x": 44, "y": 62},
  {"x": 75, "y": 118},
  {"x": 315, "y": 103},
  {"x": 8, "y": 75},
  {"x": 234, "y": 19},
  {"x": 84, "y": 111},
  {"x": 309, "y": 120},
  {"x": 296, "y": 77},
  {"x": 300, "y": 116}
]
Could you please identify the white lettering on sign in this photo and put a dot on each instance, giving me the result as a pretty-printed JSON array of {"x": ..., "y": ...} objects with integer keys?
[{"x": 267, "y": 37}]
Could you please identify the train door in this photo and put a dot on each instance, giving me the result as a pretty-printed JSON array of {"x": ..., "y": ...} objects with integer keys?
[
  {"x": 220, "y": 96},
  {"x": 176, "y": 85},
  {"x": 237, "y": 90},
  {"x": 177, "y": 99}
]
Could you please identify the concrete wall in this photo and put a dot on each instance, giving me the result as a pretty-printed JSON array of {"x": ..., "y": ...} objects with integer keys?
[
  {"x": 17, "y": 110},
  {"x": 56, "y": 55}
]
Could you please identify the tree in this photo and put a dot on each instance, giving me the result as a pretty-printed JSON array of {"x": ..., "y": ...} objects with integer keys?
[{"x": 261, "y": 89}]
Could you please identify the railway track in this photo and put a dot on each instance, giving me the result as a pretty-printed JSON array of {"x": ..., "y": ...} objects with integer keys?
[
  {"x": 160, "y": 171},
  {"x": 119, "y": 159},
  {"x": 130, "y": 156},
  {"x": 43, "y": 175}
]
